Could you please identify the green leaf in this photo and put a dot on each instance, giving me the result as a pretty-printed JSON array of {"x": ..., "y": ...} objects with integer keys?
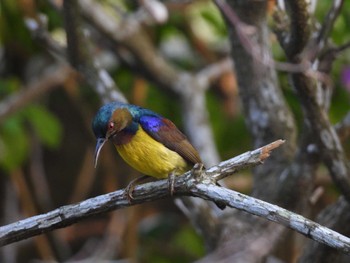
[
  {"x": 13, "y": 143},
  {"x": 45, "y": 125},
  {"x": 8, "y": 86},
  {"x": 187, "y": 235}
]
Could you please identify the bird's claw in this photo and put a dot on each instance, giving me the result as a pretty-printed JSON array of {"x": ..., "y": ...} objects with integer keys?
[
  {"x": 131, "y": 186},
  {"x": 128, "y": 192}
]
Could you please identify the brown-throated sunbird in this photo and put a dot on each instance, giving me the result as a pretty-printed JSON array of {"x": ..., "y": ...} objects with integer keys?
[{"x": 148, "y": 142}]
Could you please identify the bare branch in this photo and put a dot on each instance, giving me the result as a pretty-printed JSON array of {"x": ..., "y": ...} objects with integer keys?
[
  {"x": 244, "y": 160},
  {"x": 321, "y": 38},
  {"x": 329, "y": 21},
  {"x": 276, "y": 214},
  {"x": 342, "y": 48},
  {"x": 184, "y": 185},
  {"x": 336, "y": 217}
]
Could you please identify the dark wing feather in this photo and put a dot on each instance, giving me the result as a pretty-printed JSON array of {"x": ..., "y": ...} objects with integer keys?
[{"x": 165, "y": 132}]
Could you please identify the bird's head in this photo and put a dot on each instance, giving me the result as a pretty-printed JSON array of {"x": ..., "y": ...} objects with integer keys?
[{"x": 109, "y": 120}]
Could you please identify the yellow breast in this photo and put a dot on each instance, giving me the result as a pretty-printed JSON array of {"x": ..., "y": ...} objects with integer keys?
[{"x": 151, "y": 157}]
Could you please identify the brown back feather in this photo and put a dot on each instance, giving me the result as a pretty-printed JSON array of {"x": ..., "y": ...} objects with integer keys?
[{"x": 175, "y": 140}]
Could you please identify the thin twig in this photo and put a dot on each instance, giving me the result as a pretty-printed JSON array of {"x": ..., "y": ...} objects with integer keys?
[
  {"x": 242, "y": 161},
  {"x": 322, "y": 35},
  {"x": 342, "y": 48}
]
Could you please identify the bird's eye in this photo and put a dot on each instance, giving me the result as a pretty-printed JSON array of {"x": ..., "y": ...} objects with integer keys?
[{"x": 111, "y": 125}]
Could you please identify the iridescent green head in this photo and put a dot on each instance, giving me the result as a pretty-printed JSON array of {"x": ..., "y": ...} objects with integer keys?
[{"x": 109, "y": 120}]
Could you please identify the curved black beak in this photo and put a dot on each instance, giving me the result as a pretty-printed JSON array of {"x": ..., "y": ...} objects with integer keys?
[{"x": 99, "y": 144}]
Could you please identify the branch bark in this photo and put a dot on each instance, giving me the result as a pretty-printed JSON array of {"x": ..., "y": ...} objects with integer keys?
[
  {"x": 194, "y": 183},
  {"x": 184, "y": 186},
  {"x": 337, "y": 217}
]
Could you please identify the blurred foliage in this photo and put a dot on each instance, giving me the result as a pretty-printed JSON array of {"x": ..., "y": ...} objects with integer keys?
[
  {"x": 15, "y": 135},
  {"x": 177, "y": 243},
  {"x": 205, "y": 15},
  {"x": 15, "y": 132},
  {"x": 340, "y": 32},
  {"x": 14, "y": 143},
  {"x": 45, "y": 125},
  {"x": 198, "y": 32}
]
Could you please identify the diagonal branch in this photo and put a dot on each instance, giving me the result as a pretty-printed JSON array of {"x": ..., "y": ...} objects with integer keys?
[
  {"x": 184, "y": 185},
  {"x": 335, "y": 216},
  {"x": 274, "y": 213}
]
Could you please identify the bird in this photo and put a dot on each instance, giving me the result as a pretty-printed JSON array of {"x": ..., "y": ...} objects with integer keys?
[{"x": 147, "y": 141}]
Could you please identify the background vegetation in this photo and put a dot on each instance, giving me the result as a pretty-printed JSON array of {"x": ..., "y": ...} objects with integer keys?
[{"x": 174, "y": 57}]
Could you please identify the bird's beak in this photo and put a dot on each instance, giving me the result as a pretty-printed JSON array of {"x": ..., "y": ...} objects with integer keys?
[{"x": 99, "y": 145}]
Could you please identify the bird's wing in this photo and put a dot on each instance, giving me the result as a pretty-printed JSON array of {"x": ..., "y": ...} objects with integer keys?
[{"x": 165, "y": 132}]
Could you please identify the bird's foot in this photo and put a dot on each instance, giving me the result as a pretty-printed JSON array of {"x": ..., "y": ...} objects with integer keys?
[
  {"x": 197, "y": 171},
  {"x": 171, "y": 183},
  {"x": 131, "y": 186}
]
